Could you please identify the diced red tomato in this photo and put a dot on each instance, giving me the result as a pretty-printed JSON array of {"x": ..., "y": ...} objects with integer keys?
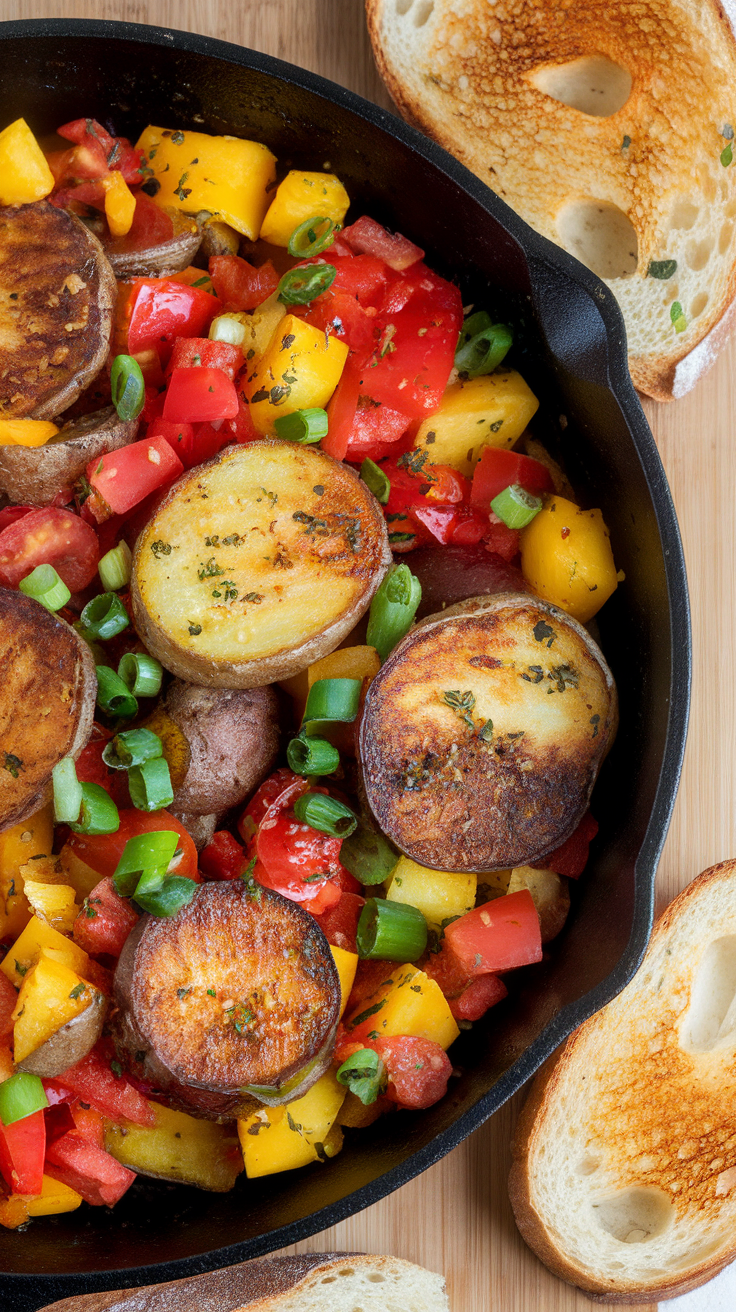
[
  {"x": 499, "y": 936},
  {"x": 339, "y": 923},
  {"x": 474, "y": 1001},
  {"x": 158, "y": 310},
  {"x": 341, "y": 409},
  {"x": 498, "y": 469},
  {"x": 50, "y": 536},
  {"x": 198, "y": 395},
  {"x": 365, "y": 277},
  {"x": 420, "y": 321},
  {"x": 572, "y": 857},
  {"x": 105, "y": 920},
  {"x": 239, "y": 285},
  {"x": 8, "y": 999},
  {"x": 58, "y": 1115},
  {"x": 294, "y": 859},
  {"x": 500, "y": 539},
  {"x": 375, "y": 429},
  {"x": 87, "y": 1122},
  {"x": 189, "y": 352},
  {"x": 417, "y": 1069},
  {"x": 117, "y": 152},
  {"x": 123, "y": 478},
  {"x": 180, "y": 438},
  {"x": 241, "y": 428},
  {"x": 151, "y": 226},
  {"x": 103, "y": 851},
  {"x": 91, "y": 768},
  {"x": 339, "y": 314},
  {"x": 22, "y": 1151},
  {"x": 9, "y": 514},
  {"x": 447, "y": 970},
  {"x": 270, "y": 789},
  {"x": 369, "y": 977},
  {"x": 97, "y": 1176},
  {"x": 222, "y": 858},
  {"x": 370, "y": 237},
  {"x": 470, "y": 527},
  {"x": 98, "y": 1080}
]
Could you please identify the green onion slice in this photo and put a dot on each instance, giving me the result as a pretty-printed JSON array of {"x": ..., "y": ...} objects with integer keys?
[
  {"x": 303, "y": 426},
  {"x": 325, "y": 814},
  {"x": 115, "y": 567},
  {"x": 150, "y": 785},
  {"x": 141, "y": 673},
  {"x": 227, "y": 328},
  {"x": 131, "y": 748},
  {"x": 368, "y": 855},
  {"x": 98, "y": 813},
  {"x": 143, "y": 854},
  {"x": 312, "y": 756},
  {"x": 312, "y": 237},
  {"x": 391, "y": 931},
  {"x": 127, "y": 387},
  {"x": 150, "y": 881},
  {"x": 104, "y": 616},
  {"x": 364, "y": 1074},
  {"x": 375, "y": 479},
  {"x": 515, "y": 506},
  {"x": 21, "y": 1096},
  {"x": 173, "y": 894},
  {"x": 330, "y": 700},
  {"x": 67, "y": 791},
  {"x": 44, "y": 585},
  {"x": 393, "y": 609},
  {"x": 300, "y": 286},
  {"x": 112, "y": 695},
  {"x": 482, "y": 345}
]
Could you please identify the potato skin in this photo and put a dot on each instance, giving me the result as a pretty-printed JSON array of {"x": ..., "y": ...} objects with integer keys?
[
  {"x": 34, "y": 475},
  {"x": 233, "y": 737},
  {"x": 69, "y": 1044},
  {"x": 201, "y": 828},
  {"x": 156, "y": 261}
]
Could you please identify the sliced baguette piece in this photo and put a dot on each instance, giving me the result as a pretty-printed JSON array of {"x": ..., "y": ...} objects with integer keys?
[
  {"x": 308, "y": 1282},
  {"x": 603, "y": 125},
  {"x": 624, "y": 1173}
]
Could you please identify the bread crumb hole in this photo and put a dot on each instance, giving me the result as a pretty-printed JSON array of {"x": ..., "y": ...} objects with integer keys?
[
  {"x": 591, "y": 84},
  {"x": 684, "y": 216},
  {"x": 710, "y": 1020},
  {"x": 376, "y": 1278},
  {"x": 601, "y": 236},
  {"x": 634, "y": 1215},
  {"x": 403, "y": 6},
  {"x": 329, "y": 1280},
  {"x": 724, "y": 238},
  {"x": 587, "y": 1166},
  {"x": 699, "y": 253},
  {"x": 422, "y": 12},
  {"x": 698, "y": 304},
  {"x": 346, "y": 1271}
]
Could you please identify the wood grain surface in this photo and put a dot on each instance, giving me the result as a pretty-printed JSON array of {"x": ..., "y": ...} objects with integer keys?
[{"x": 456, "y": 1217}]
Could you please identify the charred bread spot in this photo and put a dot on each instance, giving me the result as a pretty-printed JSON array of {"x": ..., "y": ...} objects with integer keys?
[
  {"x": 57, "y": 295},
  {"x": 235, "y": 997},
  {"x": 483, "y": 733}
]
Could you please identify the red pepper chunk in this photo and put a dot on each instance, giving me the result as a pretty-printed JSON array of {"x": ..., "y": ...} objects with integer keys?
[
  {"x": 572, "y": 857},
  {"x": 419, "y": 322},
  {"x": 105, "y": 920},
  {"x": 162, "y": 309},
  {"x": 501, "y": 935},
  {"x": 498, "y": 469},
  {"x": 199, "y": 395},
  {"x": 189, "y": 352},
  {"x": 22, "y": 1151},
  {"x": 123, "y": 478},
  {"x": 241, "y": 286},
  {"x": 81, "y": 1165},
  {"x": 99, "y": 1080}
]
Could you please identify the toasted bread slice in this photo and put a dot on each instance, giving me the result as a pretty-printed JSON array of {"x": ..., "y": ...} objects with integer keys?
[
  {"x": 624, "y": 1174},
  {"x": 607, "y": 128}
]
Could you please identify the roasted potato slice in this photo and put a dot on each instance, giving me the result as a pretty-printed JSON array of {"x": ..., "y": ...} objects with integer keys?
[
  {"x": 482, "y": 736},
  {"x": 256, "y": 564},
  {"x": 69, "y": 1044},
  {"x": 237, "y": 995},
  {"x": 48, "y": 687},
  {"x": 34, "y": 475},
  {"x": 57, "y": 295}
]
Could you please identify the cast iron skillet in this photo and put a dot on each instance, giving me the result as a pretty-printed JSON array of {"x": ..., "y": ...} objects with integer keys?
[{"x": 572, "y": 352}]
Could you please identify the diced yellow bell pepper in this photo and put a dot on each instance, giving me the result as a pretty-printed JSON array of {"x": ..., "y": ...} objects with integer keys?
[
  {"x": 347, "y": 964},
  {"x": 224, "y": 176},
  {"x": 303, "y": 196},
  {"x": 299, "y": 371},
  {"x": 260, "y": 327},
  {"x": 55, "y": 904},
  {"x": 51, "y": 995},
  {"x": 355, "y": 1115},
  {"x": 345, "y": 663},
  {"x": 490, "y": 411},
  {"x": 24, "y": 174},
  {"x": 21, "y": 843},
  {"x": 26, "y": 432},
  {"x": 283, "y": 1138},
  {"x": 53, "y": 1199},
  {"x": 36, "y": 940},
  {"x": 77, "y": 873},
  {"x": 566, "y": 556},
  {"x": 119, "y": 204},
  {"x": 408, "y": 1003},
  {"x": 178, "y": 1147},
  {"x": 438, "y": 894}
]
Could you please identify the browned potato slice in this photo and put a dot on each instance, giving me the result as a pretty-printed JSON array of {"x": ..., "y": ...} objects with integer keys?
[
  {"x": 257, "y": 564},
  {"x": 159, "y": 260},
  {"x": 57, "y": 295},
  {"x": 237, "y": 996},
  {"x": 48, "y": 687},
  {"x": 69, "y": 1044},
  {"x": 34, "y": 475},
  {"x": 483, "y": 733}
]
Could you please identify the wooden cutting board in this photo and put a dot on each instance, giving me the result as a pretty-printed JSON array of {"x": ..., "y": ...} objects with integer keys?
[{"x": 456, "y": 1218}]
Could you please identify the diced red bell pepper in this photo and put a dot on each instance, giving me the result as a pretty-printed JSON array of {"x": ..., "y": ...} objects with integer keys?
[
  {"x": 417, "y": 1069},
  {"x": 49, "y": 536},
  {"x": 161, "y": 309},
  {"x": 420, "y": 320},
  {"x": 341, "y": 409},
  {"x": 474, "y": 1001},
  {"x": 123, "y": 478},
  {"x": 81, "y": 1165},
  {"x": 105, "y": 920},
  {"x": 222, "y": 858},
  {"x": 22, "y": 1151},
  {"x": 366, "y": 235},
  {"x": 339, "y": 314},
  {"x": 500, "y": 539},
  {"x": 572, "y": 857},
  {"x": 499, "y": 936},
  {"x": 339, "y": 923},
  {"x": 498, "y": 469},
  {"x": 364, "y": 277},
  {"x": 98, "y": 1079},
  {"x": 239, "y": 285},
  {"x": 369, "y": 977},
  {"x": 199, "y": 395},
  {"x": 189, "y": 352},
  {"x": 58, "y": 1115}
]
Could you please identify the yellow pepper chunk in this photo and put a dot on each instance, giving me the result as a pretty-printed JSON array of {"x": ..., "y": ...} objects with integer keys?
[
  {"x": 26, "y": 432},
  {"x": 283, "y": 1138},
  {"x": 438, "y": 894},
  {"x": 24, "y": 174},
  {"x": 55, "y": 904},
  {"x": 39, "y": 940},
  {"x": 225, "y": 176},
  {"x": 299, "y": 371},
  {"x": 178, "y": 1147},
  {"x": 51, "y": 995},
  {"x": 408, "y": 1003},
  {"x": 490, "y": 411},
  {"x": 119, "y": 204},
  {"x": 81, "y": 877},
  {"x": 303, "y": 196},
  {"x": 347, "y": 964},
  {"x": 566, "y": 556},
  {"x": 18, "y": 845},
  {"x": 53, "y": 1199}
]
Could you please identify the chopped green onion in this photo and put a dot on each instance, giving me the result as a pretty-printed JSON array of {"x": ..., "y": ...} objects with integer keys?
[
  {"x": 393, "y": 609},
  {"x": 227, "y": 328},
  {"x": 98, "y": 813},
  {"x": 104, "y": 616},
  {"x": 112, "y": 695},
  {"x": 132, "y": 747},
  {"x": 173, "y": 894},
  {"x": 390, "y": 931},
  {"x": 368, "y": 855},
  {"x": 364, "y": 1074},
  {"x": 44, "y": 585},
  {"x": 115, "y": 567},
  {"x": 312, "y": 756},
  {"x": 482, "y": 345},
  {"x": 302, "y": 426},
  {"x": 312, "y": 237},
  {"x": 300, "y": 286},
  {"x": 325, "y": 814},
  {"x": 21, "y": 1096},
  {"x": 67, "y": 791},
  {"x": 141, "y": 673},
  {"x": 515, "y": 506},
  {"x": 330, "y": 700},
  {"x": 150, "y": 785},
  {"x": 149, "y": 882},
  {"x": 127, "y": 387},
  {"x": 142, "y": 855},
  {"x": 375, "y": 479}
]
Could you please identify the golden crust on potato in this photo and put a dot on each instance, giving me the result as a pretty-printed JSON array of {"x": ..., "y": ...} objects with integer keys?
[{"x": 482, "y": 736}]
